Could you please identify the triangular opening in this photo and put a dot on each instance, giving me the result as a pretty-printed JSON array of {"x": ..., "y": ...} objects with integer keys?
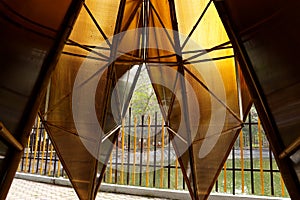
[{"x": 144, "y": 101}]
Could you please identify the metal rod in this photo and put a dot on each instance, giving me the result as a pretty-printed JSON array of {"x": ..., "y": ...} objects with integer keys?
[
  {"x": 39, "y": 149},
  {"x": 242, "y": 160},
  {"x": 116, "y": 160},
  {"x": 97, "y": 24},
  {"x": 196, "y": 25},
  {"x": 225, "y": 177},
  {"x": 162, "y": 24},
  {"x": 282, "y": 185},
  {"x": 123, "y": 151},
  {"x": 155, "y": 143},
  {"x": 238, "y": 127},
  {"x": 141, "y": 151},
  {"x": 110, "y": 133},
  {"x": 176, "y": 174},
  {"x": 271, "y": 171},
  {"x": 233, "y": 170},
  {"x": 88, "y": 49},
  {"x": 131, "y": 90},
  {"x": 159, "y": 57},
  {"x": 178, "y": 52},
  {"x": 27, "y": 154},
  {"x": 162, "y": 154},
  {"x": 84, "y": 56},
  {"x": 36, "y": 143},
  {"x": 68, "y": 43},
  {"x": 251, "y": 154},
  {"x": 51, "y": 158},
  {"x": 169, "y": 162},
  {"x": 290, "y": 149},
  {"x": 210, "y": 92},
  {"x": 207, "y": 60},
  {"x": 134, "y": 150},
  {"x": 260, "y": 158},
  {"x": 206, "y": 50},
  {"x": 148, "y": 150},
  {"x": 107, "y": 89},
  {"x": 133, "y": 13},
  {"x": 5, "y": 134},
  {"x": 58, "y": 168},
  {"x": 128, "y": 145},
  {"x": 176, "y": 134},
  {"x": 110, "y": 169}
]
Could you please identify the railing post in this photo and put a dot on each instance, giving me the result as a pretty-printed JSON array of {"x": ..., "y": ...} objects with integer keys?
[
  {"x": 242, "y": 160},
  {"x": 134, "y": 151},
  {"x": 260, "y": 159},
  {"x": 123, "y": 151},
  {"x": 162, "y": 154},
  {"x": 148, "y": 151},
  {"x": 36, "y": 144}
]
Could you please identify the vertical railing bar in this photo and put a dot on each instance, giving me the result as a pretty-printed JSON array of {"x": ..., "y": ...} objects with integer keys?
[
  {"x": 116, "y": 164},
  {"x": 22, "y": 162},
  {"x": 39, "y": 147},
  {"x": 148, "y": 151},
  {"x": 141, "y": 151},
  {"x": 47, "y": 154},
  {"x": 162, "y": 154},
  {"x": 176, "y": 174},
  {"x": 233, "y": 170},
  {"x": 123, "y": 151},
  {"x": 51, "y": 159},
  {"x": 43, "y": 150},
  {"x": 128, "y": 145},
  {"x": 225, "y": 177},
  {"x": 183, "y": 184},
  {"x": 242, "y": 160},
  {"x": 27, "y": 153},
  {"x": 271, "y": 171},
  {"x": 58, "y": 168},
  {"x": 35, "y": 143},
  {"x": 155, "y": 145},
  {"x": 282, "y": 185},
  {"x": 169, "y": 161},
  {"x": 251, "y": 153},
  {"x": 260, "y": 158},
  {"x": 62, "y": 172},
  {"x": 55, "y": 161},
  {"x": 134, "y": 151},
  {"x": 31, "y": 149},
  {"x": 110, "y": 168},
  {"x": 104, "y": 176}
]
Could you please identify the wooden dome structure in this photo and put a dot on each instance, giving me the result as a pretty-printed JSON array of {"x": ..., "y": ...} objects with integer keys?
[{"x": 208, "y": 60}]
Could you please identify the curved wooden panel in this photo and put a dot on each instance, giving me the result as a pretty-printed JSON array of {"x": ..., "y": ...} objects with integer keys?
[
  {"x": 31, "y": 39},
  {"x": 265, "y": 35}
]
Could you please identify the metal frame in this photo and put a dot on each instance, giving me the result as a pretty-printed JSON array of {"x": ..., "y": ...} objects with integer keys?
[{"x": 193, "y": 190}]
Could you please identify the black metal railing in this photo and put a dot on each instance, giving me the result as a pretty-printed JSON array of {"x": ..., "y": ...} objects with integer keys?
[{"x": 142, "y": 156}]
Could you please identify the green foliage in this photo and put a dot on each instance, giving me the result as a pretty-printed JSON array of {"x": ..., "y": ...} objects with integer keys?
[{"x": 143, "y": 101}]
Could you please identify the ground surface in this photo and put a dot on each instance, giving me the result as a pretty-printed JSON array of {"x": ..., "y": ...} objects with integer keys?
[{"x": 28, "y": 190}]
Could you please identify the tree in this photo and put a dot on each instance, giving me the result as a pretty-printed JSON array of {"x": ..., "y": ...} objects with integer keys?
[{"x": 143, "y": 101}]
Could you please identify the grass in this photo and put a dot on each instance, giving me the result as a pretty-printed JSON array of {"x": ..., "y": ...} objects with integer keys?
[
  {"x": 257, "y": 185},
  {"x": 220, "y": 184}
]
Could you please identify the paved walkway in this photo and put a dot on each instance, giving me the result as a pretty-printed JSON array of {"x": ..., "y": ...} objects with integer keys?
[{"x": 28, "y": 190}]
